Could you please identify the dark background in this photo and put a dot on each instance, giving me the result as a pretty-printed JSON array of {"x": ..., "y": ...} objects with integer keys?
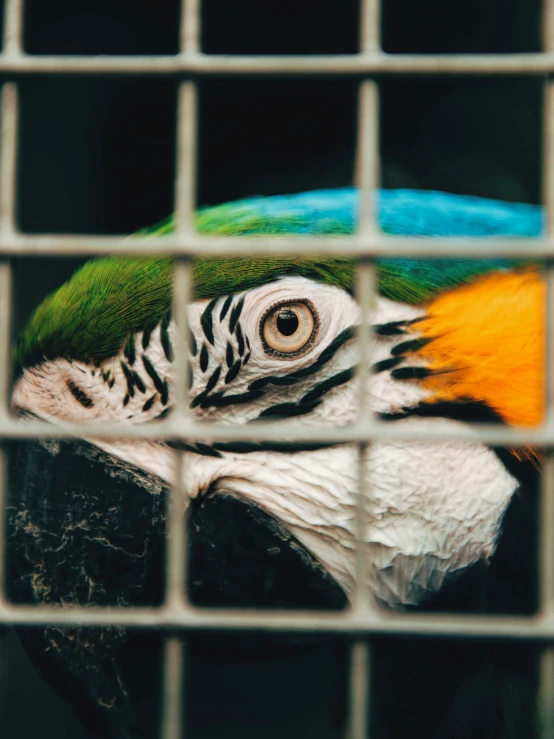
[{"x": 96, "y": 156}]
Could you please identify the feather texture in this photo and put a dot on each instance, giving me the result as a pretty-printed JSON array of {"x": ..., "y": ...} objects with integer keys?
[
  {"x": 486, "y": 341},
  {"x": 91, "y": 316}
]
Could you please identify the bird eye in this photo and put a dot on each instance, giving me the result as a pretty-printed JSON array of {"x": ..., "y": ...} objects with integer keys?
[{"x": 289, "y": 328}]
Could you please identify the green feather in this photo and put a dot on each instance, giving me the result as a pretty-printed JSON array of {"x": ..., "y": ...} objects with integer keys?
[{"x": 91, "y": 316}]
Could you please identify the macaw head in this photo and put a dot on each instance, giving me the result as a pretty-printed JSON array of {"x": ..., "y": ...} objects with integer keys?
[
  {"x": 274, "y": 340},
  {"x": 270, "y": 524}
]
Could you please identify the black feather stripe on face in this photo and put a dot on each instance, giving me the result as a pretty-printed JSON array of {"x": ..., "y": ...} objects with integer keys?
[
  {"x": 79, "y": 395},
  {"x": 256, "y": 388},
  {"x": 206, "y": 321}
]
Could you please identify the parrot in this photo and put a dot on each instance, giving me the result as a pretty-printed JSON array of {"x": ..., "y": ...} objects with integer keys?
[{"x": 273, "y": 524}]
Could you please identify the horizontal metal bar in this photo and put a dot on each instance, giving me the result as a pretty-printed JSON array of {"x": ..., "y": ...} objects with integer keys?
[
  {"x": 366, "y": 430},
  {"x": 348, "y": 623},
  {"x": 368, "y": 63},
  {"x": 362, "y": 246}
]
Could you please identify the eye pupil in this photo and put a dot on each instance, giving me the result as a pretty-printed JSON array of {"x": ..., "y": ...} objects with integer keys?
[
  {"x": 287, "y": 322},
  {"x": 288, "y": 329}
]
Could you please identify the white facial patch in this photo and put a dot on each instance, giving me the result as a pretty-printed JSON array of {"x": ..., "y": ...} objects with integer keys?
[{"x": 433, "y": 509}]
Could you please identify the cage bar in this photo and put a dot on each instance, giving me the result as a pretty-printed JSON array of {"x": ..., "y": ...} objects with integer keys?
[
  {"x": 176, "y": 543},
  {"x": 8, "y": 159},
  {"x": 368, "y": 63},
  {"x": 190, "y": 27},
  {"x": 546, "y": 534},
  {"x": 359, "y": 704},
  {"x": 546, "y": 566},
  {"x": 367, "y": 179},
  {"x": 365, "y": 431},
  {"x": 171, "y": 718},
  {"x": 349, "y": 624},
  {"x": 13, "y": 28},
  {"x": 367, "y": 157},
  {"x": 185, "y": 177},
  {"x": 369, "y": 246},
  {"x": 176, "y": 616},
  {"x": 367, "y": 176}
]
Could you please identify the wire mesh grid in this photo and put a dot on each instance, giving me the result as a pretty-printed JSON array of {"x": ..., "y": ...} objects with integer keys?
[{"x": 361, "y": 621}]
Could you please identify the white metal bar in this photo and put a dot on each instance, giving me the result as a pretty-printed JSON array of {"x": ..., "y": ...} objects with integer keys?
[
  {"x": 5, "y": 336},
  {"x": 176, "y": 540},
  {"x": 172, "y": 703},
  {"x": 546, "y": 537},
  {"x": 13, "y": 28},
  {"x": 367, "y": 157},
  {"x": 4, "y": 674},
  {"x": 325, "y": 65},
  {"x": 348, "y": 623},
  {"x": 546, "y": 534},
  {"x": 546, "y": 694},
  {"x": 3, "y": 507},
  {"x": 366, "y": 246},
  {"x": 182, "y": 288},
  {"x": 370, "y": 26},
  {"x": 5, "y": 375},
  {"x": 365, "y": 295},
  {"x": 190, "y": 27},
  {"x": 185, "y": 195},
  {"x": 176, "y": 428},
  {"x": 359, "y": 707},
  {"x": 8, "y": 159}
]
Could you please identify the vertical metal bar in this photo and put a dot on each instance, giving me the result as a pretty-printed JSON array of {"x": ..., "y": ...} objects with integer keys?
[
  {"x": 12, "y": 43},
  {"x": 185, "y": 190},
  {"x": 367, "y": 176},
  {"x": 548, "y": 25},
  {"x": 5, "y": 375},
  {"x": 190, "y": 26},
  {"x": 359, "y": 705},
  {"x": 361, "y": 600},
  {"x": 182, "y": 290},
  {"x": 365, "y": 296},
  {"x": 547, "y": 542},
  {"x": 176, "y": 559},
  {"x": 171, "y": 716},
  {"x": 172, "y": 699},
  {"x": 547, "y": 483},
  {"x": 367, "y": 162},
  {"x": 185, "y": 205},
  {"x": 176, "y": 539},
  {"x": 546, "y": 678},
  {"x": 13, "y": 27},
  {"x": 365, "y": 293},
  {"x": 3, "y": 506},
  {"x": 3, "y": 674},
  {"x": 367, "y": 173},
  {"x": 8, "y": 159},
  {"x": 370, "y": 25},
  {"x": 5, "y": 335}
]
